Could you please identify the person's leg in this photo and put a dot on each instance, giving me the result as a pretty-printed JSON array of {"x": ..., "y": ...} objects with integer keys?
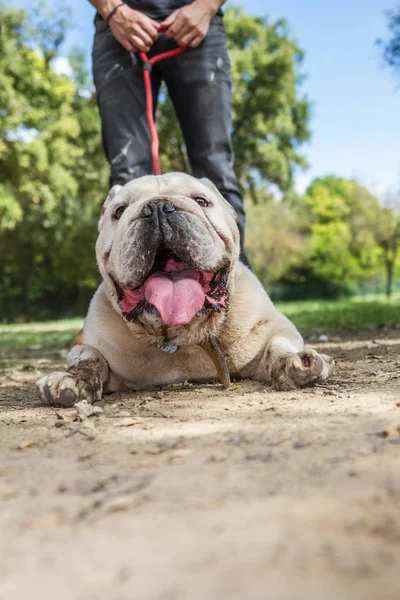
[
  {"x": 118, "y": 78},
  {"x": 199, "y": 84}
]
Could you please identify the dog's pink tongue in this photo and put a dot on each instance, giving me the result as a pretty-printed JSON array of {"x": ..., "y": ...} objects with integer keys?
[{"x": 177, "y": 296}]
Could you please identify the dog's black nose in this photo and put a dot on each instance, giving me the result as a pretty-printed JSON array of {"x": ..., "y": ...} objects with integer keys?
[
  {"x": 167, "y": 207},
  {"x": 163, "y": 207},
  {"x": 147, "y": 210}
]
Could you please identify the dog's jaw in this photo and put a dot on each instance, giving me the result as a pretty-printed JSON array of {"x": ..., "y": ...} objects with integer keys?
[{"x": 148, "y": 324}]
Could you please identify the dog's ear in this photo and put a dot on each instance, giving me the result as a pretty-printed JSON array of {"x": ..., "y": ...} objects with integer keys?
[
  {"x": 111, "y": 194},
  {"x": 209, "y": 184}
]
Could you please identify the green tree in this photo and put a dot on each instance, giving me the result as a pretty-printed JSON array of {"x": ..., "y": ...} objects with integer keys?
[
  {"x": 342, "y": 240},
  {"x": 277, "y": 240},
  {"x": 391, "y": 46},
  {"x": 270, "y": 117},
  {"x": 386, "y": 228},
  {"x": 52, "y": 172}
]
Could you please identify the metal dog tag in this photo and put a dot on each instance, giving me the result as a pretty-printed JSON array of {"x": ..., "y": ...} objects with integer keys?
[{"x": 169, "y": 349}]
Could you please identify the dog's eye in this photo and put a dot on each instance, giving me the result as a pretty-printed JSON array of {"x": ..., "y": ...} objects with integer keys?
[
  {"x": 118, "y": 212},
  {"x": 201, "y": 201}
]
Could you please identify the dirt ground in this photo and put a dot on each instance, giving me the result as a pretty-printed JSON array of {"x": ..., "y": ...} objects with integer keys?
[{"x": 193, "y": 492}]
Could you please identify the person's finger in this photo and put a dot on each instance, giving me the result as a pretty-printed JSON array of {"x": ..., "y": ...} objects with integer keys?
[
  {"x": 170, "y": 19},
  {"x": 180, "y": 33},
  {"x": 196, "y": 42},
  {"x": 155, "y": 24},
  {"x": 126, "y": 43},
  {"x": 186, "y": 41},
  {"x": 188, "y": 37},
  {"x": 124, "y": 38},
  {"x": 174, "y": 29},
  {"x": 140, "y": 33},
  {"x": 186, "y": 31},
  {"x": 150, "y": 27},
  {"x": 130, "y": 47},
  {"x": 139, "y": 44}
]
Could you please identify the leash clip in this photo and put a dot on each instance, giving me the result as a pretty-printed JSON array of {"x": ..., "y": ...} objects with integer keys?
[{"x": 148, "y": 65}]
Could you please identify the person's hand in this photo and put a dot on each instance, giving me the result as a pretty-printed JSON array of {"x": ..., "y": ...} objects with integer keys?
[
  {"x": 189, "y": 25},
  {"x": 134, "y": 30}
]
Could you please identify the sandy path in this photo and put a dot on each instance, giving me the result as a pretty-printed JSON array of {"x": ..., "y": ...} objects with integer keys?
[{"x": 197, "y": 493}]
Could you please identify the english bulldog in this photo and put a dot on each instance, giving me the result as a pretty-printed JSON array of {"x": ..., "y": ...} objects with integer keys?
[{"x": 175, "y": 303}]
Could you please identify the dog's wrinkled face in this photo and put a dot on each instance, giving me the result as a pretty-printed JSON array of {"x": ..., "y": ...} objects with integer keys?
[{"x": 166, "y": 249}]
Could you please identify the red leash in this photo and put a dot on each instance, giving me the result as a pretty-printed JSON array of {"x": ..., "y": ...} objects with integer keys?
[{"x": 147, "y": 67}]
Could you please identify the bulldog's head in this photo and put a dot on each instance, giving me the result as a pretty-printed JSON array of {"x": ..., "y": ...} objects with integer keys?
[{"x": 166, "y": 250}]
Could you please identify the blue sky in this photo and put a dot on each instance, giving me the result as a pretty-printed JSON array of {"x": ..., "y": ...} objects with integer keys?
[{"x": 356, "y": 100}]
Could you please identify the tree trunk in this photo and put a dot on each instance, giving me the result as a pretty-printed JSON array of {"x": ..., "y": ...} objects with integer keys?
[
  {"x": 82, "y": 307},
  {"x": 389, "y": 278},
  {"x": 26, "y": 300}
]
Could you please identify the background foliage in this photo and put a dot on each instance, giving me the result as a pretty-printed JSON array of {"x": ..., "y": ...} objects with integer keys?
[
  {"x": 391, "y": 47},
  {"x": 53, "y": 176}
]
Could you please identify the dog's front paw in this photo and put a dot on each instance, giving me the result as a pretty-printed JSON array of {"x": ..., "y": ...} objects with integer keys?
[
  {"x": 58, "y": 388},
  {"x": 297, "y": 370}
]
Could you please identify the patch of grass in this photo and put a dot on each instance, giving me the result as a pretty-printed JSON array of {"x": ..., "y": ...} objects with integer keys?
[
  {"x": 308, "y": 315},
  {"x": 349, "y": 313},
  {"x": 47, "y": 334}
]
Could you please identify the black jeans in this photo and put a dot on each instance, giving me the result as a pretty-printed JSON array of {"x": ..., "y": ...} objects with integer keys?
[{"x": 200, "y": 87}]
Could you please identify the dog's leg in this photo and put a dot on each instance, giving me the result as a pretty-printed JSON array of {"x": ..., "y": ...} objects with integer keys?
[
  {"x": 290, "y": 365},
  {"x": 84, "y": 379}
]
